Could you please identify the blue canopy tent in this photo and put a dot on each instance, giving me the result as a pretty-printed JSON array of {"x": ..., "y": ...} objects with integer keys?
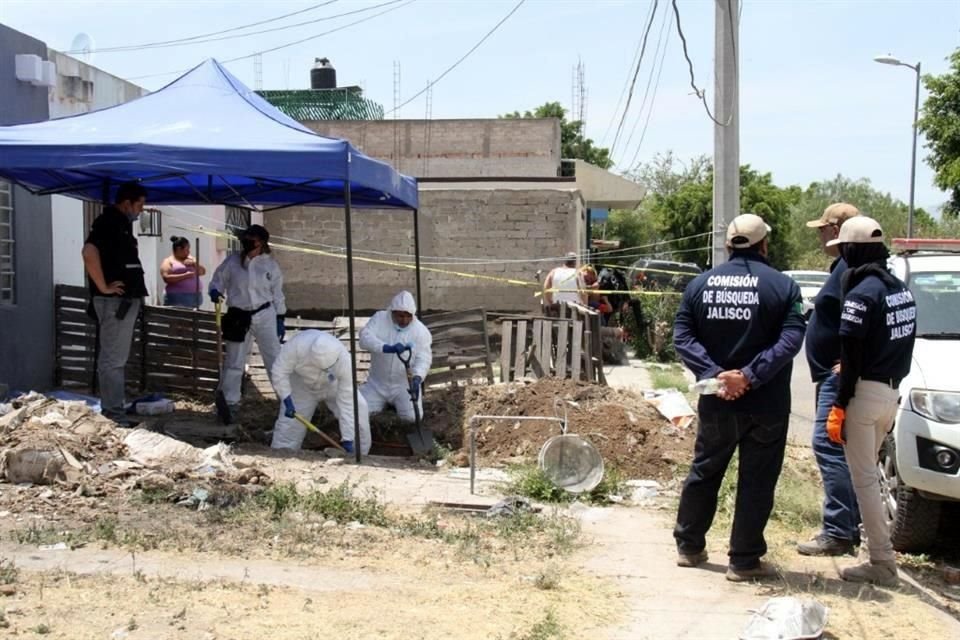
[{"x": 205, "y": 138}]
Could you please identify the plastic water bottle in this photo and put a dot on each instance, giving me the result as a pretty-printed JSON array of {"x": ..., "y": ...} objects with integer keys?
[{"x": 707, "y": 386}]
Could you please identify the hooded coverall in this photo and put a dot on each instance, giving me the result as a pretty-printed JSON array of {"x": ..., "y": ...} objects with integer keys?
[
  {"x": 248, "y": 285},
  {"x": 387, "y": 380},
  {"x": 315, "y": 367}
]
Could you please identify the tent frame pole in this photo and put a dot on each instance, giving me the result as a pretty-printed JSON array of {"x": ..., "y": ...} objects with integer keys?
[
  {"x": 416, "y": 253},
  {"x": 351, "y": 318}
]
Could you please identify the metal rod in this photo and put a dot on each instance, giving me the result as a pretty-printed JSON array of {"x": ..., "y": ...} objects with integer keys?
[
  {"x": 197, "y": 296},
  {"x": 353, "y": 338},
  {"x": 913, "y": 157},
  {"x": 472, "y": 425},
  {"x": 416, "y": 253}
]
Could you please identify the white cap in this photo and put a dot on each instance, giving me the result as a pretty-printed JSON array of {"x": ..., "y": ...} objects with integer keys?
[
  {"x": 859, "y": 230},
  {"x": 746, "y": 230}
]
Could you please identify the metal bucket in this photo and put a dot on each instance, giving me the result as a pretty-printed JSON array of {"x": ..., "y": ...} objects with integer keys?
[{"x": 571, "y": 463}]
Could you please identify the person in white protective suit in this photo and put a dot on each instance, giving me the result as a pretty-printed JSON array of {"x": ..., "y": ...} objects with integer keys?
[
  {"x": 387, "y": 334},
  {"x": 253, "y": 284},
  {"x": 313, "y": 367}
]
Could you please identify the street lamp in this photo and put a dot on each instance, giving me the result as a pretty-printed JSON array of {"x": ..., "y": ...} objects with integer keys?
[{"x": 889, "y": 59}]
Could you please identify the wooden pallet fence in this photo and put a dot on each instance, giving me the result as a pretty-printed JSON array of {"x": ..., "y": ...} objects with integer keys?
[{"x": 565, "y": 347}]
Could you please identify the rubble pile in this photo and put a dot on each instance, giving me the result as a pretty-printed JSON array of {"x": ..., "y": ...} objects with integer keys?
[{"x": 67, "y": 445}]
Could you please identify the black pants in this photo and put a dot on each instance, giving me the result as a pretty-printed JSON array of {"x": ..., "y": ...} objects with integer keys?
[{"x": 761, "y": 439}]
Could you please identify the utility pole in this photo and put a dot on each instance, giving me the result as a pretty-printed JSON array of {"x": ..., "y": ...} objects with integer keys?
[{"x": 726, "y": 129}]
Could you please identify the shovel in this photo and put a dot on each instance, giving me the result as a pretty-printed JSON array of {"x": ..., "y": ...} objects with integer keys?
[
  {"x": 223, "y": 409},
  {"x": 309, "y": 425},
  {"x": 425, "y": 438}
]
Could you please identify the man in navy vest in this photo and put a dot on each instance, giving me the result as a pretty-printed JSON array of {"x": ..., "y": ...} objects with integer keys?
[
  {"x": 741, "y": 323},
  {"x": 840, "y": 533}
]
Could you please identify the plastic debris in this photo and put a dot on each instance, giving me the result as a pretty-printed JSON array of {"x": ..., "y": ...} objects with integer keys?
[{"x": 787, "y": 618}]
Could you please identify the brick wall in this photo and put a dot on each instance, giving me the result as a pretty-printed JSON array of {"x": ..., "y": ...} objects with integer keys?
[
  {"x": 455, "y": 148},
  {"x": 496, "y": 225}
]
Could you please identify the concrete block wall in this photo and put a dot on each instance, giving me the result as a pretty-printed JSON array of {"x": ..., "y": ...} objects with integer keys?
[
  {"x": 456, "y": 148},
  {"x": 496, "y": 225}
]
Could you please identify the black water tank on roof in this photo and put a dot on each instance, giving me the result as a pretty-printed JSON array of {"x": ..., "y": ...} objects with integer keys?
[{"x": 323, "y": 75}]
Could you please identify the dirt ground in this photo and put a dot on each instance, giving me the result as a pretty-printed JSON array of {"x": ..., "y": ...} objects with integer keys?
[{"x": 255, "y": 543}]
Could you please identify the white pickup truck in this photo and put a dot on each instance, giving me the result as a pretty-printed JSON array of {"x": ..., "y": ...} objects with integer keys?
[{"x": 920, "y": 463}]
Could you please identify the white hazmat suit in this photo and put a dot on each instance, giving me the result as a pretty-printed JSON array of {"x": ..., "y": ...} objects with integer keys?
[
  {"x": 250, "y": 284},
  {"x": 313, "y": 367},
  {"x": 387, "y": 380}
]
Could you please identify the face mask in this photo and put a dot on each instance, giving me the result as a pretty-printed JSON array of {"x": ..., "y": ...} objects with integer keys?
[{"x": 248, "y": 245}]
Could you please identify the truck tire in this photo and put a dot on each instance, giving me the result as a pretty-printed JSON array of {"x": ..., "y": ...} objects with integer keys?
[{"x": 915, "y": 520}]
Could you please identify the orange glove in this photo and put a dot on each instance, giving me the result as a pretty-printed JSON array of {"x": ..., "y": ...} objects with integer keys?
[{"x": 835, "y": 425}]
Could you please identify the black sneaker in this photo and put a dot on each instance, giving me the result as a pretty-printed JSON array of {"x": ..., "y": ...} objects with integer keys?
[{"x": 824, "y": 545}]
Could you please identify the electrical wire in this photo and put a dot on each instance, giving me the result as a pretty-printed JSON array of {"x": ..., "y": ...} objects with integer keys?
[
  {"x": 623, "y": 91},
  {"x": 150, "y": 45},
  {"x": 653, "y": 72},
  {"x": 284, "y": 46},
  {"x": 634, "y": 164},
  {"x": 263, "y": 31},
  {"x": 636, "y": 72},
  {"x": 700, "y": 93},
  {"x": 462, "y": 58}
]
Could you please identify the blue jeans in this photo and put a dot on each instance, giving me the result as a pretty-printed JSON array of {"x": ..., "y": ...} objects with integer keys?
[
  {"x": 841, "y": 516},
  {"x": 187, "y": 300},
  {"x": 761, "y": 440}
]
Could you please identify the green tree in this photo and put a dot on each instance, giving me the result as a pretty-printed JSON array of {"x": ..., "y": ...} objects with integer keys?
[
  {"x": 573, "y": 143},
  {"x": 941, "y": 125},
  {"x": 888, "y": 211}
]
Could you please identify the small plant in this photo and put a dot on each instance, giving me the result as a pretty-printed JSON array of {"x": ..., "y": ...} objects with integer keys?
[
  {"x": 671, "y": 378},
  {"x": 341, "y": 504},
  {"x": 280, "y": 498},
  {"x": 548, "y": 579},
  {"x": 547, "y": 629},
  {"x": 132, "y": 625},
  {"x": 154, "y": 496},
  {"x": 8, "y": 571},
  {"x": 105, "y": 528},
  {"x": 42, "y": 629},
  {"x": 531, "y": 482}
]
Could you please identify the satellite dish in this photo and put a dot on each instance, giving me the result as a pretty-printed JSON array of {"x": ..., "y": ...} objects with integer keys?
[{"x": 82, "y": 47}]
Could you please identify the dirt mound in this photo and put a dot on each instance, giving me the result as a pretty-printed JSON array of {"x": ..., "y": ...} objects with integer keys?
[{"x": 627, "y": 430}]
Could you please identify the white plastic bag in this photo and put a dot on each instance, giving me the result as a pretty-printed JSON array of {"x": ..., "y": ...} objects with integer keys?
[{"x": 787, "y": 619}]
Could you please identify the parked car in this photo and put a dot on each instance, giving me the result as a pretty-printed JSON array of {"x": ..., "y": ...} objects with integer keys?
[
  {"x": 920, "y": 462},
  {"x": 648, "y": 273},
  {"x": 810, "y": 283}
]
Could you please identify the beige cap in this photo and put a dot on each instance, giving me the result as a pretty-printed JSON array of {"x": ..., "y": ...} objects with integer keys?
[
  {"x": 837, "y": 213},
  {"x": 746, "y": 230},
  {"x": 859, "y": 230}
]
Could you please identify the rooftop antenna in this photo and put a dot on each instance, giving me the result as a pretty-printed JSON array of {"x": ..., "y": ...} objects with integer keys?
[{"x": 82, "y": 47}]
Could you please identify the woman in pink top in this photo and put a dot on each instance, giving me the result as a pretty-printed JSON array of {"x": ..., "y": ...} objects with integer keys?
[{"x": 180, "y": 271}]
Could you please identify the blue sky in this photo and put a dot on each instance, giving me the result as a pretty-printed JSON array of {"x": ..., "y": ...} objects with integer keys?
[{"x": 813, "y": 103}]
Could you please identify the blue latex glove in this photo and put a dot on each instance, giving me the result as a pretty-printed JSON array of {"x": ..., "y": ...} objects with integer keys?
[
  {"x": 396, "y": 347},
  {"x": 215, "y": 296},
  {"x": 347, "y": 445},
  {"x": 288, "y": 409},
  {"x": 281, "y": 327},
  {"x": 415, "y": 385}
]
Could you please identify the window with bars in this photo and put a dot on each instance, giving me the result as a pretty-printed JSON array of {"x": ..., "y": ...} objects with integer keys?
[
  {"x": 238, "y": 219},
  {"x": 8, "y": 275}
]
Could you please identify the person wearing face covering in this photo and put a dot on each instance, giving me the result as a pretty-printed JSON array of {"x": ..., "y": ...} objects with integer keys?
[
  {"x": 315, "y": 367},
  {"x": 112, "y": 261},
  {"x": 387, "y": 334},
  {"x": 253, "y": 284},
  {"x": 877, "y": 332}
]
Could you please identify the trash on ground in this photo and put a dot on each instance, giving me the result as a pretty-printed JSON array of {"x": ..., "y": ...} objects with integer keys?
[
  {"x": 672, "y": 405},
  {"x": 786, "y": 618},
  {"x": 510, "y": 506}
]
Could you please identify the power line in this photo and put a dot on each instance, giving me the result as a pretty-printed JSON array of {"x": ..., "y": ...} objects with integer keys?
[
  {"x": 653, "y": 72},
  {"x": 623, "y": 91},
  {"x": 636, "y": 72},
  {"x": 289, "y": 44},
  {"x": 149, "y": 45},
  {"x": 700, "y": 93},
  {"x": 462, "y": 58},
  {"x": 656, "y": 85}
]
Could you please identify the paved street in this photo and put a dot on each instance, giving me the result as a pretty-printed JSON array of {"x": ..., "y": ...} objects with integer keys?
[{"x": 804, "y": 401}]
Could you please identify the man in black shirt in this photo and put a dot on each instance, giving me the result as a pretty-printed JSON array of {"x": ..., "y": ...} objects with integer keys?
[
  {"x": 840, "y": 533},
  {"x": 741, "y": 323},
  {"x": 117, "y": 289},
  {"x": 877, "y": 331}
]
